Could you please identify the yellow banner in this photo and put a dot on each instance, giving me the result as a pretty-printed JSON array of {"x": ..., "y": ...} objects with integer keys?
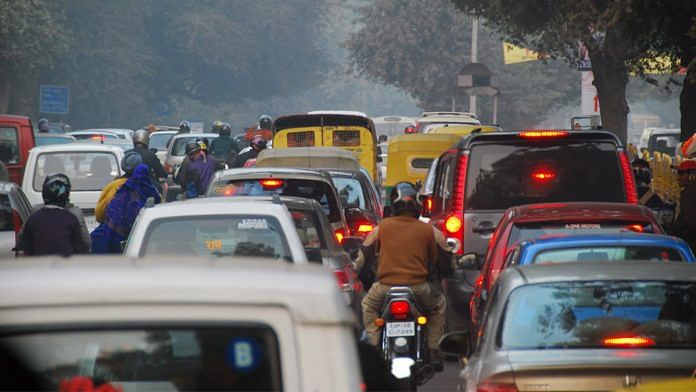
[{"x": 513, "y": 54}]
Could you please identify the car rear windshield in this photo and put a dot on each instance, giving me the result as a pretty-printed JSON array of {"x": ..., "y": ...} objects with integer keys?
[
  {"x": 350, "y": 192},
  {"x": 608, "y": 253},
  {"x": 230, "y": 357},
  {"x": 600, "y": 314},
  {"x": 9, "y": 146},
  {"x": 87, "y": 171},
  {"x": 524, "y": 232},
  {"x": 504, "y": 175},
  {"x": 179, "y": 147},
  {"x": 220, "y": 235},
  {"x": 310, "y": 189},
  {"x": 95, "y": 136},
  {"x": 160, "y": 140}
]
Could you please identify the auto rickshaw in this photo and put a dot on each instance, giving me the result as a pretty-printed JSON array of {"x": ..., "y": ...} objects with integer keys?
[
  {"x": 410, "y": 156},
  {"x": 308, "y": 157},
  {"x": 351, "y": 131},
  {"x": 463, "y": 130}
]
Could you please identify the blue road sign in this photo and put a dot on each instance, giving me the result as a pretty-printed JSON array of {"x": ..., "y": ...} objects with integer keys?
[{"x": 54, "y": 99}]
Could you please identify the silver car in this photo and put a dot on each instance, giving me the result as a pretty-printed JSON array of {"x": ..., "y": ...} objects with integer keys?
[{"x": 588, "y": 326}]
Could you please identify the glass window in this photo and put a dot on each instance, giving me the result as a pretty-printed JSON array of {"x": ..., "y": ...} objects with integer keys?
[
  {"x": 608, "y": 253},
  {"x": 589, "y": 314},
  {"x": 179, "y": 148},
  {"x": 160, "y": 140},
  {"x": 346, "y": 138},
  {"x": 309, "y": 231},
  {"x": 421, "y": 163},
  {"x": 87, "y": 171},
  {"x": 6, "y": 221},
  {"x": 301, "y": 139},
  {"x": 48, "y": 140},
  {"x": 233, "y": 358},
  {"x": 222, "y": 235},
  {"x": 350, "y": 192},
  {"x": 504, "y": 175},
  {"x": 521, "y": 233},
  {"x": 664, "y": 143},
  {"x": 9, "y": 145},
  {"x": 94, "y": 136}
]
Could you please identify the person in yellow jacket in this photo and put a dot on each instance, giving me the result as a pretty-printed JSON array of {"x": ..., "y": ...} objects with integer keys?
[{"x": 129, "y": 162}]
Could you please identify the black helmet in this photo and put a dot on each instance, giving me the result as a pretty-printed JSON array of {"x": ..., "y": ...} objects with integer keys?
[
  {"x": 217, "y": 125},
  {"x": 184, "y": 127},
  {"x": 265, "y": 122},
  {"x": 56, "y": 189},
  {"x": 225, "y": 130},
  {"x": 192, "y": 148},
  {"x": 130, "y": 161},
  {"x": 141, "y": 136},
  {"x": 404, "y": 199}
]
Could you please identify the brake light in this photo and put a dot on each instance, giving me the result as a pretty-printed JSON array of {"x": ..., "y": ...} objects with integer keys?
[
  {"x": 636, "y": 228},
  {"x": 488, "y": 386},
  {"x": 339, "y": 235},
  {"x": 399, "y": 309},
  {"x": 429, "y": 203},
  {"x": 271, "y": 183},
  {"x": 453, "y": 225},
  {"x": 543, "y": 175},
  {"x": 628, "y": 341},
  {"x": 629, "y": 181},
  {"x": 98, "y": 137},
  {"x": 543, "y": 134},
  {"x": 365, "y": 228},
  {"x": 342, "y": 279}
]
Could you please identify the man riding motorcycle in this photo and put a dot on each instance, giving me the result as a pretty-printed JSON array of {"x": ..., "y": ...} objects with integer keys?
[{"x": 409, "y": 252}]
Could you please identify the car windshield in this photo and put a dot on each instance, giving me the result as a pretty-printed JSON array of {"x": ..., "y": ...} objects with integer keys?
[
  {"x": 504, "y": 175},
  {"x": 219, "y": 235},
  {"x": 87, "y": 171},
  {"x": 350, "y": 192},
  {"x": 524, "y": 232},
  {"x": 179, "y": 147},
  {"x": 317, "y": 190},
  {"x": 608, "y": 253},
  {"x": 224, "y": 357},
  {"x": 598, "y": 314},
  {"x": 159, "y": 140}
]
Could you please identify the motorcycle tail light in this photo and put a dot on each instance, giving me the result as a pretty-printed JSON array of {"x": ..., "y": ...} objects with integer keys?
[
  {"x": 399, "y": 309},
  {"x": 488, "y": 386},
  {"x": 365, "y": 228},
  {"x": 339, "y": 235}
]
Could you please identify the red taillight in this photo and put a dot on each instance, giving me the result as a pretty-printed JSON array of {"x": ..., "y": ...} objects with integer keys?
[
  {"x": 488, "y": 386},
  {"x": 365, "y": 228},
  {"x": 339, "y": 235},
  {"x": 636, "y": 228},
  {"x": 399, "y": 309},
  {"x": 342, "y": 279},
  {"x": 543, "y": 134},
  {"x": 429, "y": 203},
  {"x": 454, "y": 224},
  {"x": 628, "y": 341},
  {"x": 629, "y": 181},
  {"x": 271, "y": 183},
  {"x": 543, "y": 175},
  {"x": 16, "y": 222}
]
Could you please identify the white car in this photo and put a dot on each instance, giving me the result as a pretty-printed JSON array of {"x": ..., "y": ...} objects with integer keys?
[
  {"x": 217, "y": 227},
  {"x": 123, "y": 134},
  {"x": 160, "y": 141},
  {"x": 430, "y": 120},
  {"x": 89, "y": 166},
  {"x": 168, "y": 324}
]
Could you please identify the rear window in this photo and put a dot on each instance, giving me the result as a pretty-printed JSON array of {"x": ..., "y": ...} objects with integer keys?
[
  {"x": 350, "y": 192},
  {"x": 179, "y": 147},
  {"x": 608, "y": 253},
  {"x": 160, "y": 140},
  {"x": 526, "y": 232},
  {"x": 594, "y": 314},
  {"x": 87, "y": 171},
  {"x": 310, "y": 189},
  {"x": 230, "y": 357},
  {"x": 9, "y": 149},
  {"x": 504, "y": 175},
  {"x": 94, "y": 136},
  {"x": 231, "y": 235}
]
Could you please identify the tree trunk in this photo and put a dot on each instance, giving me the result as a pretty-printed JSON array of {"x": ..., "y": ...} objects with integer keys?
[
  {"x": 610, "y": 79},
  {"x": 5, "y": 86},
  {"x": 687, "y": 104}
]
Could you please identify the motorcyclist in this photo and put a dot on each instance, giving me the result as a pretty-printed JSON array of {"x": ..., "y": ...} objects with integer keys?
[
  {"x": 685, "y": 224},
  {"x": 196, "y": 176},
  {"x": 44, "y": 126},
  {"x": 410, "y": 253},
  {"x": 52, "y": 229},
  {"x": 141, "y": 141},
  {"x": 184, "y": 127},
  {"x": 258, "y": 144},
  {"x": 129, "y": 162},
  {"x": 216, "y": 126},
  {"x": 224, "y": 147},
  {"x": 263, "y": 129}
]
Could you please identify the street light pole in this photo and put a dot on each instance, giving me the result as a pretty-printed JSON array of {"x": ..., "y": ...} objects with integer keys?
[{"x": 474, "y": 58}]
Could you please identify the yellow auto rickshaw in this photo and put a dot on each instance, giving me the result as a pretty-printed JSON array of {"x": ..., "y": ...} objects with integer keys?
[
  {"x": 410, "y": 155},
  {"x": 463, "y": 130},
  {"x": 352, "y": 131}
]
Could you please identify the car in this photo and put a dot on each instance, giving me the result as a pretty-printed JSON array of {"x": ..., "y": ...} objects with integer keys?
[
  {"x": 526, "y": 222},
  {"x": 175, "y": 156},
  {"x": 121, "y": 133},
  {"x": 89, "y": 166},
  {"x": 160, "y": 141},
  {"x": 216, "y": 227},
  {"x": 93, "y": 135},
  {"x": 175, "y": 323},
  {"x": 600, "y": 247},
  {"x": 487, "y": 173},
  {"x": 392, "y": 125},
  {"x": 660, "y": 140},
  {"x": 584, "y": 326},
  {"x": 14, "y": 211},
  {"x": 16, "y": 139},
  {"x": 315, "y": 184},
  {"x": 425, "y": 192},
  {"x": 44, "y": 139},
  {"x": 357, "y": 191},
  {"x": 430, "y": 120}
]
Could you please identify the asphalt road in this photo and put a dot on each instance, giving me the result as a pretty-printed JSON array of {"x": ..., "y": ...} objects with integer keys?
[{"x": 445, "y": 381}]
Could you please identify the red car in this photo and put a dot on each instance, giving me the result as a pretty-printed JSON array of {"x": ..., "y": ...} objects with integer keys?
[
  {"x": 546, "y": 219},
  {"x": 16, "y": 139}
]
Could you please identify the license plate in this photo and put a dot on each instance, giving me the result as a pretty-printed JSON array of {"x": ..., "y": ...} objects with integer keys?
[{"x": 401, "y": 329}]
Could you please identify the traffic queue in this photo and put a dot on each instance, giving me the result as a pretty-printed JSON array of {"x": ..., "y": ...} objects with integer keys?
[{"x": 304, "y": 255}]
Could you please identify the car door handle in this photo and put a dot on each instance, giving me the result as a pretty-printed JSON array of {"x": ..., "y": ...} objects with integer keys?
[{"x": 485, "y": 227}]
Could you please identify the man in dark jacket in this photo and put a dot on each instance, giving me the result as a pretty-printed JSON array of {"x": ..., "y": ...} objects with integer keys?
[
  {"x": 197, "y": 174},
  {"x": 141, "y": 142},
  {"x": 224, "y": 147},
  {"x": 685, "y": 225},
  {"x": 257, "y": 145}
]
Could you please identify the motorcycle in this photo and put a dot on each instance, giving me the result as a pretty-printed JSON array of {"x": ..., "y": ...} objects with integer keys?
[{"x": 403, "y": 342}]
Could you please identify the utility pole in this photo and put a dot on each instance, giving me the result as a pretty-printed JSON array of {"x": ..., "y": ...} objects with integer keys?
[{"x": 474, "y": 58}]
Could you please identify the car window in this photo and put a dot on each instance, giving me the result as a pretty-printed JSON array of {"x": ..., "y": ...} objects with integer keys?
[
  {"x": 221, "y": 235},
  {"x": 504, "y": 175},
  {"x": 308, "y": 229},
  {"x": 350, "y": 192},
  {"x": 608, "y": 253},
  {"x": 592, "y": 314},
  {"x": 9, "y": 147},
  {"x": 312, "y": 189},
  {"x": 230, "y": 357},
  {"x": 160, "y": 140},
  {"x": 87, "y": 171},
  {"x": 6, "y": 221},
  {"x": 443, "y": 183},
  {"x": 664, "y": 143},
  {"x": 523, "y": 232},
  {"x": 94, "y": 136},
  {"x": 179, "y": 147}
]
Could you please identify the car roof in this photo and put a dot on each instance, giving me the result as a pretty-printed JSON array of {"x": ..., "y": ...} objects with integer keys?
[
  {"x": 50, "y": 135},
  {"x": 627, "y": 238},
  {"x": 498, "y": 137},
  {"x": 578, "y": 211},
  {"x": 162, "y": 133},
  {"x": 308, "y": 292},
  {"x": 292, "y": 202},
  {"x": 180, "y": 135},
  {"x": 213, "y": 206},
  {"x": 76, "y": 146},
  {"x": 272, "y": 172}
]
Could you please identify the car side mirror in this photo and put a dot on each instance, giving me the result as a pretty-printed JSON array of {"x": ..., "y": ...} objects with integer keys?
[
  {"x": 351, "y": 244},
  {"x": 456, "y": 344},
  {"x": 469, "y": 261},
  {"x": 388, "y": 211}
]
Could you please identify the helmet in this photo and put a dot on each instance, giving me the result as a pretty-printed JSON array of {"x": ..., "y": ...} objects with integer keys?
[
  {"x": 225, "y": 129},
  {"x": 151, "y": 128},
  {"x": 185, "y": 127},
  {"x": 258, "y": 142},
  {"x": 130, "y": 161},
  {"x": 687, "y": 165},
  {"x": 217, "y": 124},
  {"x": 56, "y": 189},
  {"x": 43, "y": 125},
  {"x": 192, "y": 148},
  {"x": 265, "y": 122},
  {"x": 404, "y": 199},
  {"x": 141, "y": 136}
]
